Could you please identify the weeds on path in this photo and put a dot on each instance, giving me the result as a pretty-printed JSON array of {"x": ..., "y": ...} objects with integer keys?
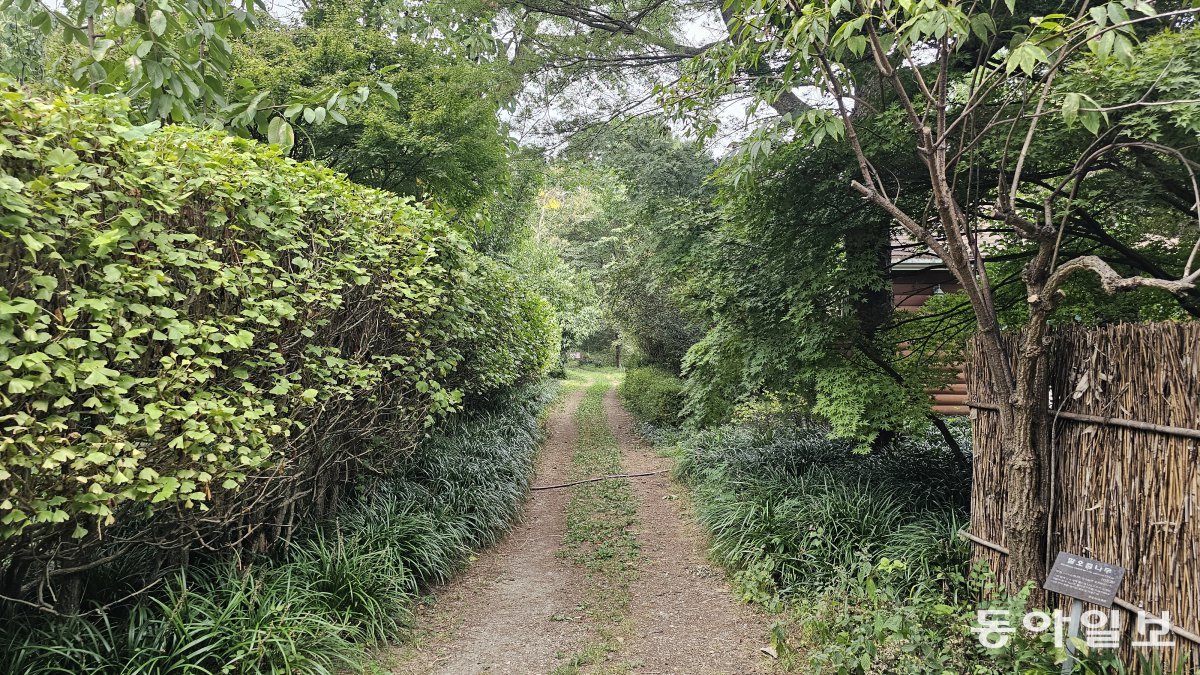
[{"x": 601, "y": 518}]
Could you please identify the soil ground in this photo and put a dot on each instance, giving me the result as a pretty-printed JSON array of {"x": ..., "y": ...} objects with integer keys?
[{"x": 522, "y": 606}]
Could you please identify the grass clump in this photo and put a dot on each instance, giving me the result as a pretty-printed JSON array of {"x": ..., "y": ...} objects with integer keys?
[
  {"x": 858, "y": 555},
  {"x": 796, "y": 509},
  {"x": 331, "y": 593}
]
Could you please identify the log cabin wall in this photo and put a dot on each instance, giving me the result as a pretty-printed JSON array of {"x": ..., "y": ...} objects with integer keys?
[{"x": 914, "y": 281}]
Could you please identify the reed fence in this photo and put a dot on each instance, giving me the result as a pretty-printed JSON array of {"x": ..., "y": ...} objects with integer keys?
[{"x": 1125, "y": 470}]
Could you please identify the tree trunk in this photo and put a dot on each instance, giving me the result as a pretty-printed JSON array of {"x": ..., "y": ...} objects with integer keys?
[
  {"x": 1023, "y": 401},
  {"x": 1025, "y": 508}
]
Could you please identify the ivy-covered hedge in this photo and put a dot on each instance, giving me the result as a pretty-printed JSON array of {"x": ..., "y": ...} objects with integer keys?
[{"x": 203, "y": 343}]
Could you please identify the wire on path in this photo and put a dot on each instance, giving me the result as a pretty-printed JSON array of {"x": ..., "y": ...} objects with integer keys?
[{"x": 593, "y": 480}]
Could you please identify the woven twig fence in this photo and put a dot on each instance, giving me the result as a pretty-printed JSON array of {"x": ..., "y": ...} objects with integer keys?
[{"x": 1126, "y": 466}]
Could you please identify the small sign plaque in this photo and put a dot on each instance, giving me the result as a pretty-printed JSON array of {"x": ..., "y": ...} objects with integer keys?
[{"x": 1084, "y": 579}]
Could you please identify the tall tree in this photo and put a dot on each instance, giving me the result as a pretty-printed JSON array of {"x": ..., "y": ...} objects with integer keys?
[
  {"x": 974, "y": 89},
  {"x": 174, "y": 59},
  {"x": 437, "y": 137}
]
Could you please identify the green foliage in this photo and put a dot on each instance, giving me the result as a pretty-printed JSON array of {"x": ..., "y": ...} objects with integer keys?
[
  {"x": 665, "y": 186},
  {"x": 858, "y": 404},
  {"x": 653, "y": 394},
  {"x": 541, "y": 268},
  {"x": 22, "y": 46},
  {"x": 859, "y": 557},
  {"x": 509, "y": 332},
  {"x": 220, "y": 619},
  {"x": 804, "y": 307},
  {"x": 174, "y": 60},
  {"x": 434, "y": 136},
  {"x": 868, "y": 626},
  {"x": 187, "y": 320},
  {"x": 335, "y": 591},
  {"x": 787, "y": 502},
  {"x": 858, "y": 554}
]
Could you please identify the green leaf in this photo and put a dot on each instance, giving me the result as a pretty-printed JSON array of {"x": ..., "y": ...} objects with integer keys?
[
  {"x": 389, "y": 93},
  {"x": 105, "y": 240},
  {"x": 139, "y": 132},
  {"x": 124, "y": 15},
  {"x": 101, "y": 48},
  {"x": 11, "y": 184},
  {"x": 31, "y": 242},
  {"x": 1070, "y": 108},
  {"x": 280, "y": 133},
  {"x": 158, "y": 22},
  {"x": 18, "y": 306}
]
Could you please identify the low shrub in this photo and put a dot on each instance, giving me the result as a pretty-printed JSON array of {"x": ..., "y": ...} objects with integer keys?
[
  {"x": 215, "y": 620},
  {"x": 653, "y": 394},
  {"x": 806, "y": 524},
  {"x": 508, "y": 333},
  {"x": 329, "y": 594}
]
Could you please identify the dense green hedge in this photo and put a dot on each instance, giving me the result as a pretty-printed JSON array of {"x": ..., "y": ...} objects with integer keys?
[
  {"x": 653, "y": 394},
  {"x": 508, "y": 333},
  {"x": 195, "y": 328}
]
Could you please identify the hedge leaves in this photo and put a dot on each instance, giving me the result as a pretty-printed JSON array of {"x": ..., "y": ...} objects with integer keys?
[{"x": 191, "y": 324}]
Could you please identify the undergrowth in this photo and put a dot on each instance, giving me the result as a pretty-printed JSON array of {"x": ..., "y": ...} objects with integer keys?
[
  {"x": 328, "y": 595},
  {"x": 856, "y": 555},
  {"x": 653, "y": 394}
]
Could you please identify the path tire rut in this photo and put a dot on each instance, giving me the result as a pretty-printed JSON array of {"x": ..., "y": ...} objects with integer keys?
[
  {"x": 517, "y": 609},
  {"x": 685, "y": 619},
  {"x": 514, "y": 611}
]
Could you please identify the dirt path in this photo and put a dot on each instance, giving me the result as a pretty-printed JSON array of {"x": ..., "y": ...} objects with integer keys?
[
  {"x": 685, "y": 618},
  {"x": 518, "y": 608},
  {"x": 514, "y": 611}
]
